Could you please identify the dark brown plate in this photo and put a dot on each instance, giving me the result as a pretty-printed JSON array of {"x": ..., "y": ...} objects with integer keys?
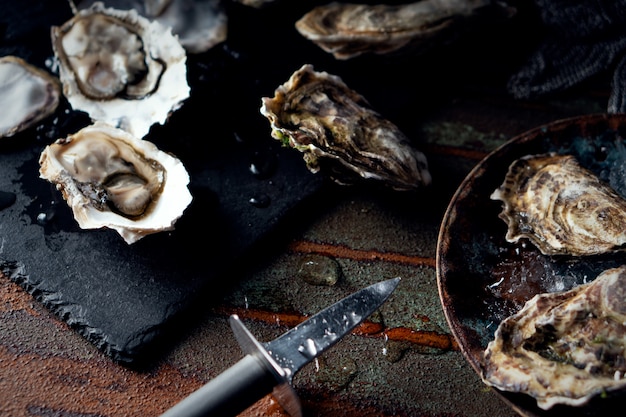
[{"x": 482, "y": 278}]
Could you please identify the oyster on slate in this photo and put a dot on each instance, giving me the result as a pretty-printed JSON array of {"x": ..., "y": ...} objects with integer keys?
[
  {"x": 120, "y": 68},
  {"x": 347, "y": 30},
  {"x": 114, "y": 180},
  {"x": 339, "y": 134},
  {"x": 563, "y": 348},
  {"x": 27, "y": 95},
  {"x": 561, "y": 207},
  {"x": 199, "y": 24}
]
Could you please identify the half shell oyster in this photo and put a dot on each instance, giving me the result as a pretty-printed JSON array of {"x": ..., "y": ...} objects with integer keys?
[
  {"x": 563, "y": 348},
  {"x": 561, "y": 207},
  {"x": 121, "y": 68},
  {"x": 112, "y": 179},
  {"x": 27, "y": 95},
  {"x": 198, "y": 24},
  {"x": 339, "y": 134},
  {"x": 347, "y": 30}
]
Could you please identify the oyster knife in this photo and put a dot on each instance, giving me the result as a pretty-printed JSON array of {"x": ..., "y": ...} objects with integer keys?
[{"x": 270, "y": 367}]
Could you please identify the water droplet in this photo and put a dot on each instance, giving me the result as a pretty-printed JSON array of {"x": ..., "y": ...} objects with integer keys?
[
  {"x": 6, "y": 199},
  {"x": 308, "y": 349},
  {"x": 263, "y": 164},
  {"x": 260, "y": 201},
  {"x": 319, "y": 270},
  {"x": 46, "y": 216}
]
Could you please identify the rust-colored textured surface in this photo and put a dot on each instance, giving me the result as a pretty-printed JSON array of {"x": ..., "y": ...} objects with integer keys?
[{"x": 403, "y": 361}]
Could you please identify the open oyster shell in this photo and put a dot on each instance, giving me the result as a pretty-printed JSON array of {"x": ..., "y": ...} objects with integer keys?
[
  {"x": 561, "y": 207},
  {"x": 198, "y": 24},
  {"x": 120, "y": 68},
  {"x": 563, "y": 348},
  {"x": 339, "y": 134},
  {"x": 112, "y": 179},
  {"x": 27, "y": 95},
  {"x": 347, "y": 30}
]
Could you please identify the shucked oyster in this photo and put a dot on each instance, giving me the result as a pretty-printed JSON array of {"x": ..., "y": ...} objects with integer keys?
[
  {"x": 561, "y": 207},
  {"x": 111, "y": 179},
  {"x": 27, "y": 95},
  {"x": 121, "y": 68},
  {"x": 199, "y": 24},
  {"x": 348, "y": 30},
  {"x": 338, "y": 133},
  {"x": 563, "y": 348}
]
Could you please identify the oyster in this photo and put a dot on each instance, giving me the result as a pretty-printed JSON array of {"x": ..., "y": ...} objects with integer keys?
[
  {"x": 561, "y": 207},
  {"x": 112, "y": 179},
  {"x": 347, "y": 30},
  {"x": 563, "y": 348},
  {"x": 198, "y": 24},
  {"x": 121, "y": 68},
  {"x": 27, "y": 95},
  {"x": 338, "y": 133}
]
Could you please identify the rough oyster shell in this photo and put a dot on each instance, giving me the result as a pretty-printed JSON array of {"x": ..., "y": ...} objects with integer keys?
[
  {"x": 347, "y": 30},
  {"x": 121, "y": 68},
  {"x": 338, "y": 133},
  {"x": 561, "y": 207},
  {"x": 563, "y": 348},
  {"x": 27, "y": 95},
  {"x": 198, "y": 24},
  {"x": 112, "y": 179}
]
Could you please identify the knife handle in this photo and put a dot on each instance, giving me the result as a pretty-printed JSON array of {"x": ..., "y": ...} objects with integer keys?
[{"x": 230, "y": 393}]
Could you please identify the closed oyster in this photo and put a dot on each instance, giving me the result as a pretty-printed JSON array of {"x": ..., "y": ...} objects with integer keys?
[
  {"x": 120, "y": 68},
  {"x": 347, "y": 30},
  {"x": 198, "y": 24},
  {"x": 112, "y": 179},
  {"x": 561, "y": 207},
  {"x": 27, "y": 95},
  {"x": 563, "y": 348},
  {"x": 338, "y": 133}
]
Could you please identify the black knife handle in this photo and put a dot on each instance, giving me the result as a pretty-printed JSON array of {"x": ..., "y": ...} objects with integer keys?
[{"x": 230, "y": 393}]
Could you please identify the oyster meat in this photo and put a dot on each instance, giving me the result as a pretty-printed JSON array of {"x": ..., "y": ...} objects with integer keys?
[
  {"x": 561, "y": 207},
  {"x": 198, "y": 24},
  {"x": 120, "y": 67},
  {"x": 339, "y": 134},
  {"x": 347, "y": 30},
  {"x": 563, "y": 348},
  {"x": 27, "y": 95},
  {"x": 111, "y": 179}
]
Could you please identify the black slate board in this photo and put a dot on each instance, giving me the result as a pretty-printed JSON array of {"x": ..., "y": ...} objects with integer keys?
[{"x": 124, "y": 298}]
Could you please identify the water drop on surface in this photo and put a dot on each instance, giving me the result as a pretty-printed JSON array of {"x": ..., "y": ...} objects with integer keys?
[
  {"x": 263, "y": 164},
  {"x": 319, "y": 270},
  {"x": 260, "y": 201}
]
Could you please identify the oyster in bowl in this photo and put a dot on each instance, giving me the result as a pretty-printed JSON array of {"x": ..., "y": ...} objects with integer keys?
[
  {"x": 561, "y": 207},
  {"x": 564, "y": 347},
  {"x": 340, "y": 134},
  {"x": 111, "y": 179}
]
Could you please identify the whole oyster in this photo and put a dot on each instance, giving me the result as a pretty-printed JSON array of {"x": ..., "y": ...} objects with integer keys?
[
  {"x": 27, "y": 95},
  {"x": 338, "y": 133},
  {"x": 347, "y": 30},
  {"x": 121, "y": 68},
  {"x": 112, "y": 179},
  {"x": 563, "y": 348},
  {"x": 561, "y": 207}
]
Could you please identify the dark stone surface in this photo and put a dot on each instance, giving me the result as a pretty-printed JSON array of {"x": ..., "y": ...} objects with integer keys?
[{"x": 124, "y": 298}]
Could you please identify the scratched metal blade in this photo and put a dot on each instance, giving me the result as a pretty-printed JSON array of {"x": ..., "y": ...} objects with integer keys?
[{"x": 310, "y": 338}]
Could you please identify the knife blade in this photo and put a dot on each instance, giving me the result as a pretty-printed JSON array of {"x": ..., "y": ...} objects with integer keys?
[{"x": 270, "y": 367}]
